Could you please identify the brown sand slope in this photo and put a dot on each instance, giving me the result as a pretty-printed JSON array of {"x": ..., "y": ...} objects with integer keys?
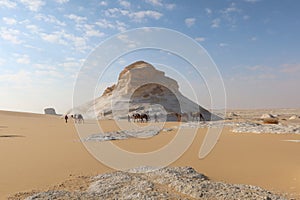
[{"x": 37, "y": 151}]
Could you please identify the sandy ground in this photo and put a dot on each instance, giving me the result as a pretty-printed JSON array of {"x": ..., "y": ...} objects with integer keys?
[{"x": 38, "y": 152}]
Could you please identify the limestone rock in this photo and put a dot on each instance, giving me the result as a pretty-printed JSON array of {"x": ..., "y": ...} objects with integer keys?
[
  {"x": 265, "y": 116},
  {"x": 293, "y": 117},
  {"x": 144, "y": 89},
  {"x": 164, "y": 183}
]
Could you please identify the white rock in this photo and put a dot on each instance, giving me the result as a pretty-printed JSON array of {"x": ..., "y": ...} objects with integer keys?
[
  {"x": 265, "y": 116},
  {"x": 232, "y": 114},
  {"x": 142, "y": 88},
  {"x": 294, "y": 117}
]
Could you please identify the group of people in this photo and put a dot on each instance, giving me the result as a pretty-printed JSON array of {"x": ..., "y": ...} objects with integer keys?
[{"x": 77, "y": 117}]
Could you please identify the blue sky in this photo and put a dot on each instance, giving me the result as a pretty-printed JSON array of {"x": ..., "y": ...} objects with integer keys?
[{"x": 43, "y": 44}]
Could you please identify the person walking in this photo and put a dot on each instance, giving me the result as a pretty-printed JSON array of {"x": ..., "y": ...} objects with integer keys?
[{"x": 66, "y": 118}]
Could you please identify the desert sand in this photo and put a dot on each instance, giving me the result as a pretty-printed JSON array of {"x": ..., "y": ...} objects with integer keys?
[{"x": 38, "y": 152}]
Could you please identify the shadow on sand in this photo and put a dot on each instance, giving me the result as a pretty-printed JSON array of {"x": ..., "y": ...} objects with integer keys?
[{"x": 10, "y": 136}]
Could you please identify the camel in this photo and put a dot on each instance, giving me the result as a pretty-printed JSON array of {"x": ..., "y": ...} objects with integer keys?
[
  {"x": 136, "y": 117},
  {"x": 78, "y": 118},
  {"x": 140, "y": 117},
  {"x": 144, "y": 116}
]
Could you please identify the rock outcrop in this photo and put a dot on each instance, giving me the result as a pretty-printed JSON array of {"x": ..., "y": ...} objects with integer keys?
[
  {"x": 294, "y": 117},
  {"x": 266, "y": 116},
  {"x": 144, "y": 89},
  {"x": 50, "y": 111},
  {"x": 165, "y": 183}
]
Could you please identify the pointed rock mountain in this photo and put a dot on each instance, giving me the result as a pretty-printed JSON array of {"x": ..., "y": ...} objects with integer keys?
[{"x": 142, "y": 88}]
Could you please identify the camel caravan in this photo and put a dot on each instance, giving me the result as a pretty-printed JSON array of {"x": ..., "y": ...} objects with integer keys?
[
  {"x": 180, "y": 117},
  {"x": 145, "y": 117}
]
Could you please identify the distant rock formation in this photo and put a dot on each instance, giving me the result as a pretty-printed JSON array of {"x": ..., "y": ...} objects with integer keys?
[
  {"x": 294, "y": 117},
  {"x": 266, "y": 116},
  {"x": 232, "y": 114},
  {"x": 142, "y": 88},
  {"x": 50, "y": 111}
]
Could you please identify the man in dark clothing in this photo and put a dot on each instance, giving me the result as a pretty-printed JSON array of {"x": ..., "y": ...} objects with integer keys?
[{"x": 66, "y": 118}]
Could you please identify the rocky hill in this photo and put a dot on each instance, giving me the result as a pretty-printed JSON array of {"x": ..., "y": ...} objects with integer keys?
[{"x": 143, "y": 89}]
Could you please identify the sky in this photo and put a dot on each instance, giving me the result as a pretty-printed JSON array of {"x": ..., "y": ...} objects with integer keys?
[{"x": 255, "y": 45}]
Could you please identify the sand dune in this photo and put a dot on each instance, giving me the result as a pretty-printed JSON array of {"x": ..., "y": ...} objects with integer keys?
[{"x": 39, "y": 151}]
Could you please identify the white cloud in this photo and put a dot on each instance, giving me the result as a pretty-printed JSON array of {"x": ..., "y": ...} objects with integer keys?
[
  {"x": 23, "y": 59},
  {"x": 56, "y": 37},
  {"x": 115, "y": 12},
  {"x": 223, "y": 44},
  {"x": 79, "y": 43},
  {"x": 33, "y": 5},
  {"x": 62, "y": 1},
  {"x": 121, "y": 26},
  {"x": 231, "y": 14},
  {"x": 170, "y": 6},
  {"x": 76, "y": 18},
  {"x": 208, "y": 11},
  {"x": 9, "y": 21},
  {"x": 49, "y": 19},
  {"x": 103, "y": 3},
  {"x": 189, "y": 22},
  {"x": 130, "y": 43},
  {"x": 11, "y": 35},
  {"x": 155, "y": 2},
  {"x": 90, "y": 31},
  {"x": 7, "y": 3},
  {"x": 215, "y": 23},
  {"x": 251, "y": 1},
  {"x": 246, "y": 17},
  {"x": 33, "y": 28},
  {"x": 159, "y": 3},
  {"x": 124, "y": 3},
  {"x": 200, "y": 39},
  {"x": 253, "y": 38},
  {"x": 140, "y": 15},
  {"x": 104, "y": 23},
  {"x": 232, "y": 8}
]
